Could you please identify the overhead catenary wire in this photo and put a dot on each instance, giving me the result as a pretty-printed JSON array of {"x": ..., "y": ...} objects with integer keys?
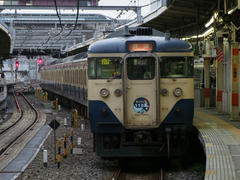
[
  {"x": 59, "y": 18},
  {"x": 76, "y": 21},
  {"x": 77, "y": 16},
  {"x": 150, "y": 3},
  {"x": 143, "y": 6},
  {"x": 134, "y": 1},
  {"x": 121, "y": 12},
  {"x": 132, "y": 13},
  {"x": 75, "y": 25},
  {"x": 60, "y": 22}
]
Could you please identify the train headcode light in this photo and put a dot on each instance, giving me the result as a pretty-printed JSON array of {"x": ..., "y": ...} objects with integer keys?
[
  {"x": 16, "y": 64},
  {"x": 40, "y": 61}
]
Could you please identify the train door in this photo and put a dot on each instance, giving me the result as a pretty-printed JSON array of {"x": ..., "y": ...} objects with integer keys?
[{"x": 141, "y": 93}]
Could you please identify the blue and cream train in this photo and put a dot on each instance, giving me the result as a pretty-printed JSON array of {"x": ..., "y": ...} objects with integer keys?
[
  {"x": 139, "y": 92},
  {"x": 3, "y": 92}
]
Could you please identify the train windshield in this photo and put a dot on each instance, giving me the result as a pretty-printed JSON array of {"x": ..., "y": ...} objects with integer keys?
[
  {"x": 104, "y": 68},
  {"x": 176, "y": 67},
  {"x": 141, "y": 68}
]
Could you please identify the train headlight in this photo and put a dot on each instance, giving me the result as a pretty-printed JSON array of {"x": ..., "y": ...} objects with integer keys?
[
  {"x": 104, "y": 92},
  {"x": 164, "y": 92},
  {"x": 178, "y": 92},
  {"x": 118, "y": 92}
]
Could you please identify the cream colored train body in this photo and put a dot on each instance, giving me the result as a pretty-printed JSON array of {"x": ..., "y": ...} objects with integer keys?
[
  {"x": 140, "y": 92},
  {"x": 140, "y": 88},
  {"x": 67, "y": 80}
]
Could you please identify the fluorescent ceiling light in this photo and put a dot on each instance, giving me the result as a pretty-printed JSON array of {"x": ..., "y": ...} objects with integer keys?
[
  {"x": 231, "y": 11},
  {"x": 206, "y": 33},
  {"x": 209, "y": 22}
]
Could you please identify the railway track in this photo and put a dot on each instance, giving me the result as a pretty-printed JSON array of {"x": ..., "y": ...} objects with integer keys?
[
  {"x": 120, "y": 174},
  {"x": 27, "y": 118}
]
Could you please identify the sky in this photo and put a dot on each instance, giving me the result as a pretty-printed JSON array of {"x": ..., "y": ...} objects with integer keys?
[
  {"x": 112, "y": 14},
  {"x": 126, "y": 15}
]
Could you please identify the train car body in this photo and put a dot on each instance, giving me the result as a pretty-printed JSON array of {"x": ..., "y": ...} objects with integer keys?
[
  {"x": 140, "y": 92},
  {"x": 3, "y": 93},
  {"x": 140, "y": 95},
  {"x": 67, "y": 79}
]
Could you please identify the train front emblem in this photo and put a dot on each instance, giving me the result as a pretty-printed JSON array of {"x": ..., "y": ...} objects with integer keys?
[{"x": 141, "y": 105}]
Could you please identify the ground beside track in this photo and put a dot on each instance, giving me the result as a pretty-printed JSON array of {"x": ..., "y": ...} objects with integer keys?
[{"x": 88, "y": 166}]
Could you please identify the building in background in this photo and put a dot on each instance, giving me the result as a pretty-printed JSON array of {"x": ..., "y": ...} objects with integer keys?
[
  {"x": 49, "y": 3},
  {"x": 28, "y": 68}
]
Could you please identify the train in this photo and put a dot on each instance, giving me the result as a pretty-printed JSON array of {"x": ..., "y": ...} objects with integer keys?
[
  {"x": 3, "y": 92},
  {"x": 138, "y": 89}
]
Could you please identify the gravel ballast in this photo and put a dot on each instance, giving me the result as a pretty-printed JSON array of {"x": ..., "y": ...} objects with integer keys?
[{"x": 86, "y": 166}]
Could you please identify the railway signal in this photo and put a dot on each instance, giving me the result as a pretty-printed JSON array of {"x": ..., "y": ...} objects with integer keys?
[
  {"x": 54, "y": 124},
  {"x": 40, "y": 61},
  {"x": 16, "y": 69},
  {"x": 17, "y": 64}
]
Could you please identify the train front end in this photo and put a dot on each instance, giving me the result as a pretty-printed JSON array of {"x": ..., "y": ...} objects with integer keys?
[{"x": 140, "y": 94}]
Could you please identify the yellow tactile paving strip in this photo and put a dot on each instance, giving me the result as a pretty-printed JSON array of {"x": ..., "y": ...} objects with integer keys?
[{"x": 217, "y": 135}]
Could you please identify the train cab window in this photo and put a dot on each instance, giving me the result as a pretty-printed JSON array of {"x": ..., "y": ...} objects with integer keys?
[
  {"x": 176, "y": 67},
  {"x": 104, "y": 68},
  {"x": 141, "y": 68}
]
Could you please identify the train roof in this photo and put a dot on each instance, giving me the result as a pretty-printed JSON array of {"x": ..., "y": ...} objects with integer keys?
[{"x": 120, "y": 44}]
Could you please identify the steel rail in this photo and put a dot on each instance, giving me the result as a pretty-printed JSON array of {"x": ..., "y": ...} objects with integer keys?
[
  {"x": 23, "y": 132},
  {"x": 116, "y": 175},
  {"x": 159, "y": 175},
  {"x": 20, "y": 117}
]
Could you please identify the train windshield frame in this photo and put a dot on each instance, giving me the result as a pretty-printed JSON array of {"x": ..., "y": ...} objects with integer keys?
[
  {"x": 177, "y": 67},
  {"x": 141, "y": 68},
  {"x": 104, "y": 68}
]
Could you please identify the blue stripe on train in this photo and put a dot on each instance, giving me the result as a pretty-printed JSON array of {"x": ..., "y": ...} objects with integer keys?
[
  {"x": 181, "y": 113},
  {"x": 102, "y": 119}
]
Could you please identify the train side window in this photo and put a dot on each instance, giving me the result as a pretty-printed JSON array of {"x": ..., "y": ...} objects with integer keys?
[
  {"x": 104, "y": 68},
  {"x": 141, "y": 68},
  {"x": 79, "y": 75},
  {"x": 176, "y": 67},
  {"x": 91, "y": 68},
  {"x": 84, "y": 78},
  {"x": 74, "y": 76}
]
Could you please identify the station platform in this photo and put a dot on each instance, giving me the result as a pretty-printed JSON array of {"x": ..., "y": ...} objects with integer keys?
[
  {"x": 221, "y": 140},
  {"x": 26, "y": 155}
]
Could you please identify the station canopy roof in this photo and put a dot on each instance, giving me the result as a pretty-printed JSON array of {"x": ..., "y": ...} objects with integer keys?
[
  {"x": 5, "y": 42},
  {"x": 185, "y": 17},
  {"x": 181, "y": 18}
]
